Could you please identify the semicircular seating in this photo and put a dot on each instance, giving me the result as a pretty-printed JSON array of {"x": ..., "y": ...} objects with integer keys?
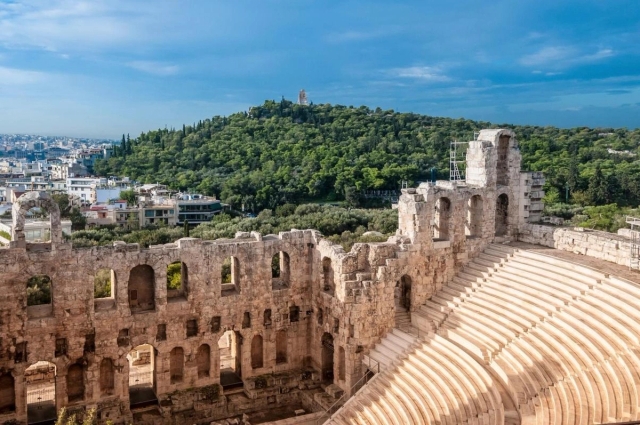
[{"x": 516, "y": 337}]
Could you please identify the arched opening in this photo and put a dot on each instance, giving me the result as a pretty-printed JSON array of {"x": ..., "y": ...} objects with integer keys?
[
  {"x": 229, "y": 349},
  {"x": 502, "y": 215},
  {"x": 7, "y": 394},
  {"x": 107, "y": 377},
  {"x": 75, "y": 383},
  {"x": 39, "y": 296},
  {"x": 203, "y": 359},
  {"x": 40, "y": 379},
  {"x": 327, "y": 357},
  {"x": 441, "y": 219},
  {"x": 280, "y": 271},
  {"x": 341, "y": 364},
  {"x": 230, "y": 277},
  {"x": 502, "y": 165},
  {"x": 328, "y": 283},
  {"x": 281, "y": 346},
  {"x": 473, "y": 228},
  {"x": 28, "y": 225},
  {"x": 257, "y": 354},
  {"x": 142, "y": 289},
  {"x": 142, "y": 382},
  {"x": 176, "y": 365},
  {"x": 177, "y": 276}
]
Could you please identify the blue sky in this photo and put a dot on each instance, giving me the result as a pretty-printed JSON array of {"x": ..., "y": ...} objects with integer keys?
[{"x": 100, "y": 68}]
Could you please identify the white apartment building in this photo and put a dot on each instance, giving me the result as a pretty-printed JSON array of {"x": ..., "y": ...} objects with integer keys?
[{"x": 84, "y": 188}]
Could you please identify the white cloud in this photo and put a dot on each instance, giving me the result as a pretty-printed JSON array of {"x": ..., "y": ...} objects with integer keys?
[
  {"x": 155, "y": 68},
  {"x": 426, "y": 73},
  {"x": 57, "y": 25},
  {"x": 563, "y": 56},
  {"x": 14, "y": 76},
  {"x": 546, "y": 55},
  {"x": 354, "y": 35}
]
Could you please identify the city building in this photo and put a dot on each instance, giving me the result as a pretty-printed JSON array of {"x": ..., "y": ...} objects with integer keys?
[{"x": 196, "y": 208}]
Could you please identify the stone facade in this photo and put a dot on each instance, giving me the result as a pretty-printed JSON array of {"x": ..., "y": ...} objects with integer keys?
[{"x": 298, "y": 339}]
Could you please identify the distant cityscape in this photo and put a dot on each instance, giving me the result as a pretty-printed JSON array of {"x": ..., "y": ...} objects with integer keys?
[{"x": 64, "y": 166}]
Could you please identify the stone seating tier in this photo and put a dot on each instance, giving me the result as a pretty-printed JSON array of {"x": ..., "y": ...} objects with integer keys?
[{"x": 555, "y": 342}]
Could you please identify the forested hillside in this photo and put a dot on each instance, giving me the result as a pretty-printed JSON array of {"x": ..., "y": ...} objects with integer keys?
[{"x": 281, "y": 152}]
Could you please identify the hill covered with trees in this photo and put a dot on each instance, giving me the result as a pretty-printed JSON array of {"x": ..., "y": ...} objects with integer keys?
[{"x": 281, "y": 152}]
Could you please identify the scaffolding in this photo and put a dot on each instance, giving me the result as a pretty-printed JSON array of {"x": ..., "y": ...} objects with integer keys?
[
  {"x": 634, "y": 257},
  {"x": 455, "y": 159}
]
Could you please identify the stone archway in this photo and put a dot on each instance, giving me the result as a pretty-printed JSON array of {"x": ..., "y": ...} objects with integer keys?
[
  {"x": 19, "y": 214},
  {"x": 502, "y": 215}
]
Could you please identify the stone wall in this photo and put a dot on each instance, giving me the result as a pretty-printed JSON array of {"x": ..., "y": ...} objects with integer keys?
[
  {"x": 322, "y": 315},
  {"x": 592, "y": 243}
]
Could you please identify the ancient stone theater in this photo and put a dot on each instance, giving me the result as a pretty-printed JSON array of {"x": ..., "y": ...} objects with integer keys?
[{"x": 471, "y": 313}]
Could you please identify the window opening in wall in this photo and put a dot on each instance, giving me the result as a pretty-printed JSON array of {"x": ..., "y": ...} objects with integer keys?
[
  {"x": 328, "y": 283},
  {"x": 40, "y": 380},
  {"x": 473, "y": 223},
  {"x": 441, "y": 219},
  {"x": 229, "y": 347},
  {"x": 142, "y": 381},
  {"x": 327, "y": 357},
  {"x": 320, "y": 317},
  {"x": 280, "y": 271},
  {"x": 20, "y": 356},
  {"x": 39, "y": 296},
  {"x": 502, "y": 215},
  {"x": 177, "y": 281},
  {"x": 192, "y": 328},
  {"x": 123, "y": 338},
  {"x": 336, "y": 326},
  {"x": 281, "y": 346},
  {"x": 141, "y": 289},
  {"x": 161, "y": 332},
  {"x": 341, "y": 364},
  {"x": 89, "y": 343},
  {"x": 176, "y": 365},
  {"x": 203, "y": 359},
  {"x": 61, "y": 347},
  {"x": 294, "y": 313},
  {"x": 7, "y": 393},
  {"x": 257, "y": 355},
  {"x": 104, "y": 285},
  {"x": 246, "y": 320},
  {"x": 215, "y": 324},
  {"x": 230, "y": 277},
  {"x": 502, "y": 166},
  {"x": 107, "y": 377},
  {"x": 267, "y": 318}
]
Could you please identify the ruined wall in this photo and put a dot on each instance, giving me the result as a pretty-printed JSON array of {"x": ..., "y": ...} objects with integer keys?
[
  {"x": 312, "y": 324},
  {"x": 601, "y": 245}
]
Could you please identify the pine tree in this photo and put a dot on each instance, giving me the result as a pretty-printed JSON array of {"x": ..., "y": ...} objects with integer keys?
[
  {"x": 123, "y": 147},
  {"x": 598, "y": 191},
  {"x": 186, "y": 228}
]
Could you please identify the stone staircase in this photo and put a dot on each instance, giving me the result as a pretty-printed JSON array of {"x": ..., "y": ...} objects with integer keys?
[{"x": 516, "y": 337}]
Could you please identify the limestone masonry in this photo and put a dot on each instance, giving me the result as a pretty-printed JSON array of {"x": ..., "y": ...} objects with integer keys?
[{"x": 236, "y": 339}]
